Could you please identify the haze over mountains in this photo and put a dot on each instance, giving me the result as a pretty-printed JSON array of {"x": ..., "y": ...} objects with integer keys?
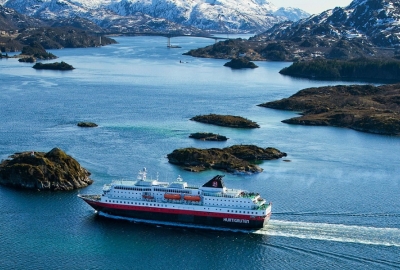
[{"x": 233, "y": 16}]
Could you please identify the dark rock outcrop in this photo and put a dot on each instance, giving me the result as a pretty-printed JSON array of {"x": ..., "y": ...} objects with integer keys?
[
  {"x": 29, "y": 59},
  {"x": 205, "y": 136},
  {"x": 54, "y": 170},
  {"x": 54, "y": 66},
  {"x": 87, "y": 124},
  {"x": 364, "y": 108},
  {"x": 239, "y": 63},
  {"x": 234, "y": 159},
  {"x": 225, "y": 121}
]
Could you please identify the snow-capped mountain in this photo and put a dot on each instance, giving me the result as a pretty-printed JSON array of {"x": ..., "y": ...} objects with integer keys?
[
  {"x": 375, "y": 20},
  {"x": 211, "y": 15},
  {"x": 10, "y": 20}
]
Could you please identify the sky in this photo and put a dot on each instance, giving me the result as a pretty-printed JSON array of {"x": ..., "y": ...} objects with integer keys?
[{"x": 311, "y": 6}]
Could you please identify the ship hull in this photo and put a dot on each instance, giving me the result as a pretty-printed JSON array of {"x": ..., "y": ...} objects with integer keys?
[{"x": 169, "y": 215}]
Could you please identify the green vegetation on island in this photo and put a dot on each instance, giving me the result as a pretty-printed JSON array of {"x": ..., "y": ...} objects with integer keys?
[
  {"x": 54, "y": 66},
  {"x": 225, "y": 121},
  {"x": 234, "y": 159},
  {"x": 356, "y": 69},
  {"x": 364, "y": 108},
  {"x": 54, "y": 170}
]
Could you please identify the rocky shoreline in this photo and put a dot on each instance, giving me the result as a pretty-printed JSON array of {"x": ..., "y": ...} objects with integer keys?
[
  {"x": 225, "y": 121},
  {"x": 363, "y": 108},
  {"x": 54, "y": 66},
  {"x": 385, "y": 69},
  {"x": 53, "y": 171},
  {"x": 206, "y": 136},
  {"x": 235, "y": 159}
]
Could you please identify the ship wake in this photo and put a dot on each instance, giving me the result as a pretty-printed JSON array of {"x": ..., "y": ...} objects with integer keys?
[
  {"x": 302, "y": 230},
  {"x": 333, "y": 232}
]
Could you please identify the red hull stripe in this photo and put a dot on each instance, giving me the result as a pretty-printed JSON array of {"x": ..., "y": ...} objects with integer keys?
[{"x": 99, "y": 205}]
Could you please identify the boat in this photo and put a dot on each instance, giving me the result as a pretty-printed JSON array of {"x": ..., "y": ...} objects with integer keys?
[{"x": 211, "y": 204}]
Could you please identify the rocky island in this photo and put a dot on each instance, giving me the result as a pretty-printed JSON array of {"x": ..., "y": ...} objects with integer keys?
[
  {"x": 234, "y": 159},
  {"x": 206, "y": 136},
  {"x": 367, "y": 108},
  {"x": 54, "y": 170},
  {"x": 239, "y": 63},
  {"x": 87, "y": 124},
  {"x": 225, "y": 121},
  {"x": 54, "y": 66}
]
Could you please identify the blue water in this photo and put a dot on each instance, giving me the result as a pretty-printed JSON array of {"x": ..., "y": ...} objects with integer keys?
[{"x": 336, "y": 203}]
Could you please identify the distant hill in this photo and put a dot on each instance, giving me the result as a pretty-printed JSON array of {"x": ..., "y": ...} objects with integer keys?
[{"x": 18, "y": 30}]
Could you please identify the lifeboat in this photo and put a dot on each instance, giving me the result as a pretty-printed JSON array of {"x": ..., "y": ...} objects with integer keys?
[
  {"x": 172, "y": 196},
  {"x": 148, "y": 197},
  {"x": 192, "y": 198}
]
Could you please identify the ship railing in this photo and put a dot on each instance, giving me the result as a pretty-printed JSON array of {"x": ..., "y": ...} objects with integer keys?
[
  {"x": 106, "y": 187},
  {"x": 192, "y": 187},
  {"x": 149, "y": 200},
  {"x": 219, "y": 195},
  {"x": 264, "y": 206}
]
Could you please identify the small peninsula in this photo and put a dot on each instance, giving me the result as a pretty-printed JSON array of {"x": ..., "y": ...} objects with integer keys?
[
  {"x": 225, "y": 121},
  {"x": 239, "y": 63},
  {"x": 366, "y": 108},
  {"x": 234, "y": 159},
  {"x": 53, "y": 171},
  {"x": 54, "y": 66},
  {"x": 35, "y": 51},
  {"x": 206, "y": 136}
]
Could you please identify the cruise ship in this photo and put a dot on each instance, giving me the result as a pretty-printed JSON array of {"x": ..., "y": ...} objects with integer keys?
[{"x": 212, "y": 204}]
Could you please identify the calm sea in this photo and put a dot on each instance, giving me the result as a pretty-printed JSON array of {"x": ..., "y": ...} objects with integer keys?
[{"x": 336, "y": 204}]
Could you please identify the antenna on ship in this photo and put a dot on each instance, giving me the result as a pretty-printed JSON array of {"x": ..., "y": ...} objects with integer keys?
[
  {"x": 142, "y": 174},
  {"x": 179, "y": 179}
]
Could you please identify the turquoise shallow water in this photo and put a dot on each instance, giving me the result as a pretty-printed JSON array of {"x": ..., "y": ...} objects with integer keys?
[{"x": 335, "y": 205}]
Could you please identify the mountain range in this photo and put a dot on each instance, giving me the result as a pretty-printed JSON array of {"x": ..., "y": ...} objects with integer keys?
[
  {"x": 375, "y": 21},
  {"x": 228, "y": 16},
  {"x": 363, "y": 29}
]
